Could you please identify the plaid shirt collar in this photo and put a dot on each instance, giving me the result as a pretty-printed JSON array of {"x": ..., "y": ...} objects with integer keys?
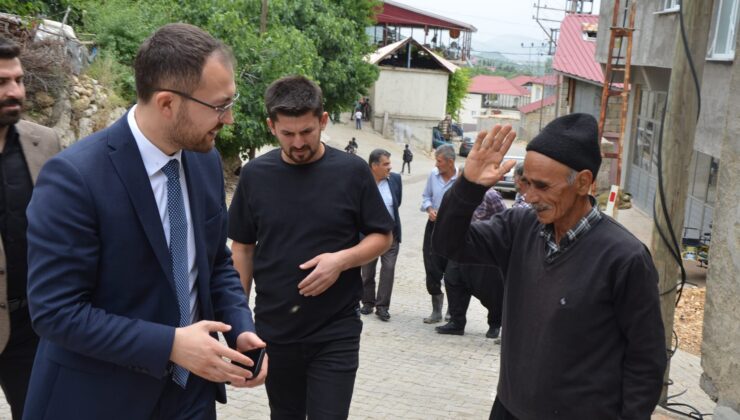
[{"x": 553, "y": 249}]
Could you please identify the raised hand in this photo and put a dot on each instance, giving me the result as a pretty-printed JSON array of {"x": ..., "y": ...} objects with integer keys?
[{"x": 484, "y": 164}]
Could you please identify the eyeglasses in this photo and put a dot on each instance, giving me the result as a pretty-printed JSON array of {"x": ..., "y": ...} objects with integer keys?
[{"x": 222, "y": 110}]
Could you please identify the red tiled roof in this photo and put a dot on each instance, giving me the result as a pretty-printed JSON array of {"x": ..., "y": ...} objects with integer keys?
[
  {"x": 574, "y": 54},
  {"x": 534, "y": 106},
  {"x": 495, "y": 84},
  {"x": 548, "y": 79},
  {"x": 521, "y": 80}
]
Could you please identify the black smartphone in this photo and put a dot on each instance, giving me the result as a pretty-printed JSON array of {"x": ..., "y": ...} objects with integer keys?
[{"x": 256, "y": 355}]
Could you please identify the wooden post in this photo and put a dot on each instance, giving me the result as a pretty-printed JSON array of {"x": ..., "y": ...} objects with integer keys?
[
  {"x": 678, "y": 147},
  {"x": 263, "y": 17}
]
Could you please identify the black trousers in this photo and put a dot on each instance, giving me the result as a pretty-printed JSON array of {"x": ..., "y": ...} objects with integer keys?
[
  {"x": 499, "y": 412},
  {"x": 385, "y": 284},
  {"x": 196, "y": 401},
  {"x": 16, "y": 361},
  {"x": 312, "y": 379},
  {"x": 482, "y": 281},
  {"x": 404, "y": 165},
  {"x": 434, "y": 264}
]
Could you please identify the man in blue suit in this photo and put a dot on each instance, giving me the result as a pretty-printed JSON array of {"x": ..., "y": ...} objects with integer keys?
[
  {"x": 128, "y": 266},
  {"x": 390, "y": 187}
]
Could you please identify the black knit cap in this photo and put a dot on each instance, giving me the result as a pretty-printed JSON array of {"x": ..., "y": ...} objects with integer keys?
[{"x": 572, "y": 140}]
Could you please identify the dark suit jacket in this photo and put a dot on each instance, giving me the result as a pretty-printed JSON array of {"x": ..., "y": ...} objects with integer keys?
[
  {"x": 38, "y": 143},
  {"x": 394, "y": 181},
  {"x": 100, "y": 288}
]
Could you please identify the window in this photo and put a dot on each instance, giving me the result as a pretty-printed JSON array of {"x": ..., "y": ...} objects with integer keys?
[
  {"x": 722, "y": 38},
  {"x": 645, "y": 143},
  {"x": 670, "y": 5}
]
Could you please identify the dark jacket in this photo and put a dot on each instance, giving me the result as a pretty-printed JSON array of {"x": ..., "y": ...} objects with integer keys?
[
  {"x": 394, "y": 181},
  {"x": 101, "y": 290},
  {"x": 583, "y": 336}
]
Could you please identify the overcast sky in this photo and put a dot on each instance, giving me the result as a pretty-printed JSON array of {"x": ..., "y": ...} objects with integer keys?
[{"x": 503, "y": 25}]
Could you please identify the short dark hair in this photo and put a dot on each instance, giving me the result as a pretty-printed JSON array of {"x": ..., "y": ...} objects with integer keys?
[
  {"x": 9, "y": 49},
  {"x": 293, "y": 96},
  {"x": 376, "y": 154},
  {"x": 173, "y": 58}
]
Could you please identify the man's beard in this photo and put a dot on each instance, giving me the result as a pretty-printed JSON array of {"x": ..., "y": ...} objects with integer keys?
[
  {"x": 184, "y": 135},
  {"x": 10, "y": 117}
]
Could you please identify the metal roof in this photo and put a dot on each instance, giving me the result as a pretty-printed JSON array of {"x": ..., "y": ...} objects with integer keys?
[
  {"x": 534, "y": 106},
  {"x": 495, "y": 84},
  {"x": 393, "y": 12},
  {"x": 575, "y": 52},
  {"x": 389, "y": 49},
  {"x": 521, "y": 79}
]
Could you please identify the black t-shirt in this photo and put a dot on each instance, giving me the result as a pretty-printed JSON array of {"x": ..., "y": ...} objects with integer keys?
[{"x": 294, "y": 213}]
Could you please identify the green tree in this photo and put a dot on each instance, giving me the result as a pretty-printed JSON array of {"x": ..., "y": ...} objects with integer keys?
[
  {"x": 457, "y": 88},
  {"x": 321, "y": 39}
]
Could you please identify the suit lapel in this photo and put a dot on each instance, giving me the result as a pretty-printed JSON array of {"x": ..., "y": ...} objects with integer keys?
[
  {"x": 126, "y": 159},
  {"x": 33, "y": 150}
]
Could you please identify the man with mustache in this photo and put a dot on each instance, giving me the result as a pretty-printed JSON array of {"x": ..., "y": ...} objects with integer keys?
[
  {"x": 583, "y": 336},
  {"x": 296, "y": 219},
  {"x": 129, "y": 277},
  {"x": 24, "y": 147}
]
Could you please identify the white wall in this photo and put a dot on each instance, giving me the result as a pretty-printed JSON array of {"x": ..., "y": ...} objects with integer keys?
[
  {"x": 471, "y": 108},
  {"x": 410, "y": 93}
]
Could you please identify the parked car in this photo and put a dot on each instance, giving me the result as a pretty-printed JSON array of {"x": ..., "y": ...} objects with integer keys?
[
  {"x": 465, "y": 146},
  {"x": 506, "y": 185}
]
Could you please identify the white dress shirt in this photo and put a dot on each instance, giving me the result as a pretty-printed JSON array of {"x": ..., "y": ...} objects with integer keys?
[{"x": 154, "y": 160}]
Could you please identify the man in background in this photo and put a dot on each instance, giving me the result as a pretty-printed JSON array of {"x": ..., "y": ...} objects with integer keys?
[
  {"x": 482, "y": 281},
  {"x": 440, "y": 180},
  {"x": 24, "y": 147},
  {"x": 408, "y": 156},
  {"x": 390, "y": 187}
]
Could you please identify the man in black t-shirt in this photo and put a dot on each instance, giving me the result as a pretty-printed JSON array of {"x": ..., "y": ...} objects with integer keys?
[{"x": 296, "y": 220}]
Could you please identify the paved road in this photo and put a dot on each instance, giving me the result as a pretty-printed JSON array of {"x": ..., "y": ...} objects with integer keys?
[{"x": 407, "y": 371}]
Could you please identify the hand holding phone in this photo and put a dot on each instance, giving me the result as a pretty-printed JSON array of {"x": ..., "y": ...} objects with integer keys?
[{"x": 256, "y": 355}]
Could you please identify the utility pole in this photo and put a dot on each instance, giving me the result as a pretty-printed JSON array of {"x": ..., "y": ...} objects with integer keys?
[{"x": 678, "y": 147}]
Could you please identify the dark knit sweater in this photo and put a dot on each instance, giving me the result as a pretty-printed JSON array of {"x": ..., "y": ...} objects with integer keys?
[{"x": 582, "y": 335}]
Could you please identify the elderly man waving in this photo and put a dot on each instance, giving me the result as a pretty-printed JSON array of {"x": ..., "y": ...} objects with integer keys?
[{"x": 583, "y": 337}]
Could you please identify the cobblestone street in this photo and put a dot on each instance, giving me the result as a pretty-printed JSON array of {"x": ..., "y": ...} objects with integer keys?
[{"x": 407, "y": 371}]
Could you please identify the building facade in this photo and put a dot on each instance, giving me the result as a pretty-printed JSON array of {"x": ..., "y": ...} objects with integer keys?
[{"x": 714, "y": 172}]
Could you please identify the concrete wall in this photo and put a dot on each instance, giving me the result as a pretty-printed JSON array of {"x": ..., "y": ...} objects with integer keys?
[
  {"x": 408, "y": 103},
  {"x": 720, "y": 351},
  {"x": 530, "y": 123},
  {"x": 410, "y": 93},
  {"x": 715, "y": 100},
  {"x": 653, "y": 39},
  {"x": 487, "y": 122},
  {"x": 652, "y": 57},
  {"x": 415, "y": 131}
]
